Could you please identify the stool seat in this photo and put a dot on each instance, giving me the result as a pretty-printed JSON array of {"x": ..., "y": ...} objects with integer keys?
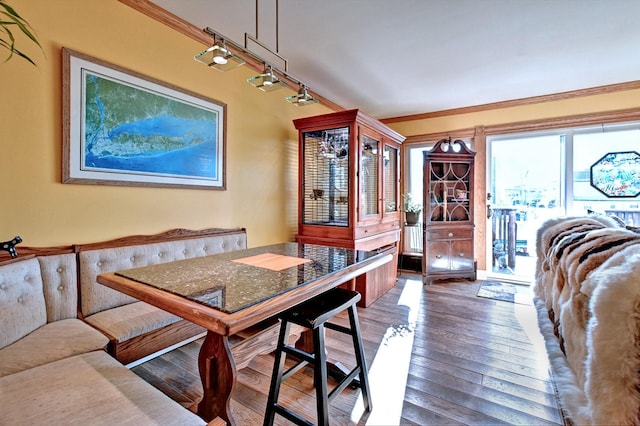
[
  {"x": 315, "y": 314},
  {"x": 321, "y": 308}
]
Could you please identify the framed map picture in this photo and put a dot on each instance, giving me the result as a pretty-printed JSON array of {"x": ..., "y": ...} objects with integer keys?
[{"x": 123, "y": 128}]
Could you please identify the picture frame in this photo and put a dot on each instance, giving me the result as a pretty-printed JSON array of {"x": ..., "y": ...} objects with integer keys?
[
  {"x": 617, "y": 174},
  {"x": 123, "y": 128}
]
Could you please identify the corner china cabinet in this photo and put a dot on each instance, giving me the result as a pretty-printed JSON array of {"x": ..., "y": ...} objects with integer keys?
[
  {"x": 448, "y": 214},
  {"x": 348, "y": 194}
]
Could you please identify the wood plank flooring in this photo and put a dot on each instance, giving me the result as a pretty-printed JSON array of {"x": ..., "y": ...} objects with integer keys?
[{"x": 437, "y": 355}]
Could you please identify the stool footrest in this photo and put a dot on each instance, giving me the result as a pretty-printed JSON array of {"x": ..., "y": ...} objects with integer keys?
[
  {"x": 299, "y": 353},
  {"x": 293, "y": 370},
  {"x": 347, "y": 380},
  {"x": 291, "y": 416},
  {"x": 338, "y": 327}
]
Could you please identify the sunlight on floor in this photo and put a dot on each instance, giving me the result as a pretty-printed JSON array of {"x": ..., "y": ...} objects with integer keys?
[
  {"x": 388, "y": 385},
  {"x": 528, "y": 319}
]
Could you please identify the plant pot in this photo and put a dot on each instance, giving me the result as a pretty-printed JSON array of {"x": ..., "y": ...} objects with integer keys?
[{"x": 411, "y": 218}]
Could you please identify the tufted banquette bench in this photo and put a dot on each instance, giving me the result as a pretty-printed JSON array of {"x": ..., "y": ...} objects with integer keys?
[
  {"x": 64, "y": 338},
  {"x": 53, "y": 366},
  {"x": 137, "y": 329}
]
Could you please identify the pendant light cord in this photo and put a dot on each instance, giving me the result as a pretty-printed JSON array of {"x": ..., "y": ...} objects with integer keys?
[{"x": 277, "y": 23}]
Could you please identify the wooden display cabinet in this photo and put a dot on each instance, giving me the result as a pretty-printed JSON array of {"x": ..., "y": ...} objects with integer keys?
[
  {"x": 349, "y": 190},
  {"x": 448, "y": 214}
]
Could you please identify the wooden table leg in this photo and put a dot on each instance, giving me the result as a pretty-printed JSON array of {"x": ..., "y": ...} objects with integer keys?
[
  {"x": 218, "y": 375},
  {"x": 351, "y": 284}
]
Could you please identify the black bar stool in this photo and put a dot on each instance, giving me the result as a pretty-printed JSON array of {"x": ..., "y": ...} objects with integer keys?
[{"x": 314, "y": 314}]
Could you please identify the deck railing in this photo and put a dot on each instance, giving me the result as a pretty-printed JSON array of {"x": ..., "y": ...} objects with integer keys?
[
  {"x": 630, "y": 217},
  {"x": 504, "y": 237}
]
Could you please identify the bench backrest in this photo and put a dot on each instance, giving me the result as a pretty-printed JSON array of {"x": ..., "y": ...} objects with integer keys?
[
  {"x": 92, "y": 261},
  {"x": 35, "y": 291}
]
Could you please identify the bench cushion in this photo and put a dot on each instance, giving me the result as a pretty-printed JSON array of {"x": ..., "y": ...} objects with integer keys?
[
  {"x": 22, "y": 306},
  {"x": 132, "y": 320},
  {"x": 91, "y": 388},
  {"x": 59, "y": 279},
  {"x": 51, "y": 342}
]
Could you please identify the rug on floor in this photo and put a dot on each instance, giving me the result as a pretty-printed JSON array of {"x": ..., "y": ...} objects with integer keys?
[{"x": 503, "y": 291}]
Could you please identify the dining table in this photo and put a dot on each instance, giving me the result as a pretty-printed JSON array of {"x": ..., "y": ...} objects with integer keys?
[{"x": 230, "y": 292}]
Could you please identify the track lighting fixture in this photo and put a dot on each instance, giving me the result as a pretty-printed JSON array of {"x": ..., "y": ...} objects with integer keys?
[
  {"x": 267, "y": 81},
  {"x": 219, "y": 57},
  {"x": 303, "y": 98}
]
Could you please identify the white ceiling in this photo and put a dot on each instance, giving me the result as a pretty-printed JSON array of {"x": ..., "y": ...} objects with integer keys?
[{"x": 402, "y": 57}]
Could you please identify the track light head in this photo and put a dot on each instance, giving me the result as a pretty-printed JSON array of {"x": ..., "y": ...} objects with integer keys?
[
  {"x": 219, "y": 57},
  {"x": 267, "y": 81},
  {"x": 303, "y": 98}
]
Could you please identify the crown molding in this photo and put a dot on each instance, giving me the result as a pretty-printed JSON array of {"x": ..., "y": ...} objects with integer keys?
[{"x": 600, "y": 90}]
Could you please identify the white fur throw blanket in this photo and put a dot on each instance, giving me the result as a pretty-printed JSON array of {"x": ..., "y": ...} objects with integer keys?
[{"x": 587, "y": 292}]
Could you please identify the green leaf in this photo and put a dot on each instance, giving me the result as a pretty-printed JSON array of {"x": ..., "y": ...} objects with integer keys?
[
  {"x": 9, "y": 9},
  {"x": 11, "y": 18}
]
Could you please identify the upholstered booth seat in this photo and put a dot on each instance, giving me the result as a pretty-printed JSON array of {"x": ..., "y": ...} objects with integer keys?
[
  {"x": 88, "y": 389},
  {"x": 51, "y": 342},
  {"x": 53, "y": 367},
  {"x": 137, "y": 329},
  {"x": 132, "y": 320},
  {"x": 39, "y": 316}
]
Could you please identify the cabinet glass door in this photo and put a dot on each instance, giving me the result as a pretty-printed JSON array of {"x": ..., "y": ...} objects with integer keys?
[
  {"x": 449, "y": 191},
  {"x": 390, "y": 181},
  {"x": 369, "y": 169},
  {"x": 326, "y": 177}
]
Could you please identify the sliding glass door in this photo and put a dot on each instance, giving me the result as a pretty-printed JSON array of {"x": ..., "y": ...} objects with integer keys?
[
  {"x": 526, "y": 182},
  {"x": 534, "y": 177}
]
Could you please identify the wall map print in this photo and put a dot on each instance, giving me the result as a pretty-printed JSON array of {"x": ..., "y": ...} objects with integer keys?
[{"x": 126, "y": 129}]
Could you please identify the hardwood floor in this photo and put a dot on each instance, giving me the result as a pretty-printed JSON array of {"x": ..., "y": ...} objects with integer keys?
[{"x": 437, "y": 355}]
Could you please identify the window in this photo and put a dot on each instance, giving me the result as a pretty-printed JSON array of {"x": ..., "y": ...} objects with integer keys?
[
  {"x": 414, "y": 184},
  {"x": 591, "y": 145},
  {"x": 534, "y": 176}
]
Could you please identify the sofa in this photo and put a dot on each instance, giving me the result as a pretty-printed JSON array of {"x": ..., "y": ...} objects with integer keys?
[
  {"x": 64, "y": 338},
  {"x": 587, "y": 294}
]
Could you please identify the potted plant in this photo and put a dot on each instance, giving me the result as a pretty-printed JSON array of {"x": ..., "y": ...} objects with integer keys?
[
  {"x": 411, "y": 209},
  {"x": 11, "y": 22}
]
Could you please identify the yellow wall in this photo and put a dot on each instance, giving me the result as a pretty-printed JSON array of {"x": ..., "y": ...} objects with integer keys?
[{"x": 261, "y": 140}]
